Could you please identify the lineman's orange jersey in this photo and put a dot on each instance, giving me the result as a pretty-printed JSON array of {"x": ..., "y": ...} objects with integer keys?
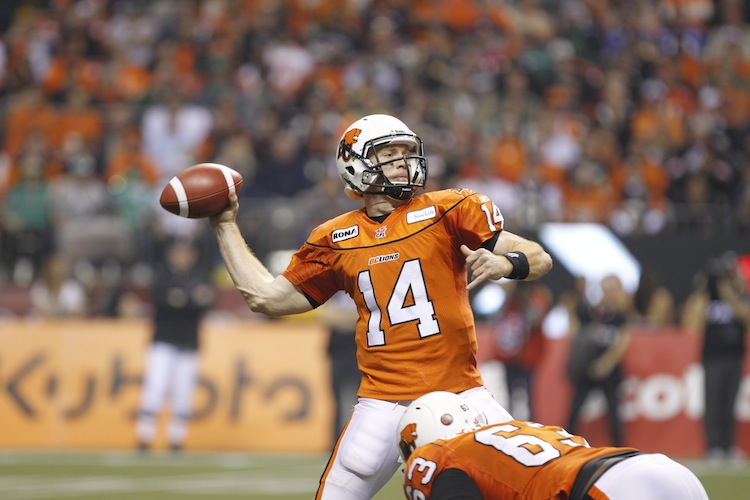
[
  {"x": 407, "y": 275},
  {"x": 512, "y": 460}
]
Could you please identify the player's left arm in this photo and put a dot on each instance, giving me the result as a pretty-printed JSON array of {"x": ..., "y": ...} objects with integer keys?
[{"x": 512, "y": 257}]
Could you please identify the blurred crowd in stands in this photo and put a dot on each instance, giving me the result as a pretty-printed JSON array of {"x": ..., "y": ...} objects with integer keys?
[{"x": 633, "y": 114}]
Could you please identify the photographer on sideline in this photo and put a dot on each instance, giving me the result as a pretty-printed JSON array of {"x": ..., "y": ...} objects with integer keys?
[{"x": 719, "y": 308}]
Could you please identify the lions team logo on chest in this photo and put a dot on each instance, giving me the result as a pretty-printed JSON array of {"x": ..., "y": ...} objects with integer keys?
[
  {"x": 420, "y": 215},
  {"x": 380, "y": 232},
  {"x": 383, "y": 258},
  {"x": 346, "y": 233}
]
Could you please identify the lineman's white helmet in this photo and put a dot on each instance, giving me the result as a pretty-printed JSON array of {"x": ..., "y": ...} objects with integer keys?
[
  {"x": 360, "y": 166},
  {"x": 434, "y": 416}
]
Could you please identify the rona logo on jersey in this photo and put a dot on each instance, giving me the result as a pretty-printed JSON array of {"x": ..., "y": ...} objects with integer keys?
[{"x": 344, "y": 234}]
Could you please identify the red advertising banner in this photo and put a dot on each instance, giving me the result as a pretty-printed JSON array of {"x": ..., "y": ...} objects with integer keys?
[{"x": 662, "y": 395}]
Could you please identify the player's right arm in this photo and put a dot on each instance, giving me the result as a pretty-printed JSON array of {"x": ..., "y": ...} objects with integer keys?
[{"x": 264, "y": 293}]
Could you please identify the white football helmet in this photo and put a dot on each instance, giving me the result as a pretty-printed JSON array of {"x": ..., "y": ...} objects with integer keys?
[
  {"x": 434, "y": 416},
  {"x": 361, "y": 167}
]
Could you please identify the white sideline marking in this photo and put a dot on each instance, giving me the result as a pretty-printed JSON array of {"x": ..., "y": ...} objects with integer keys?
[
  {"x": 239, "y": 482},
  {"x": 238, "y": 474},
  {"x": 157, "y": 459}
]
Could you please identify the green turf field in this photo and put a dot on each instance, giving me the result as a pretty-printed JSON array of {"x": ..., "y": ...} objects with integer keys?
[{"x": 121, "y": 475}]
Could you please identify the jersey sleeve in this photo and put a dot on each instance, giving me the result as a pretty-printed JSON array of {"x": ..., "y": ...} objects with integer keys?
[
  {"x": 423, "y": 469},
  {"x": 475, "y": 220},
  {"x": 310, "y": 270}
]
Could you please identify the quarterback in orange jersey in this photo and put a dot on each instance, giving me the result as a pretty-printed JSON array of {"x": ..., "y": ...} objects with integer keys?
[
  {"x": 404, "y": 260},
  {"x": 451, "y": 453}
]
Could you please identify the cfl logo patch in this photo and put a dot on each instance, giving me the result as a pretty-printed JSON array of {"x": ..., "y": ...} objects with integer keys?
[{"x": 380, "y": 232}]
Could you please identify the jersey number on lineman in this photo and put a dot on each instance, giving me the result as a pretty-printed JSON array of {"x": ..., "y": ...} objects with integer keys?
[
  {"x": 520, "y": 446},
  {"x": 421, "y": 309}
]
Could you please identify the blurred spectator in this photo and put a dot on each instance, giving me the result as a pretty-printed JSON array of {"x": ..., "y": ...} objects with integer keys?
[
  {"x": 642, "y": 184},
  {"x": 26, "y": 229},
  {"x": 289, "y": 64},
  {"x": 600, "y": 339},
  {"x": 79, "y": 117},
  {"x": 133, "y": 29},
  {"x": 133, "y": 179},
  {"x": 181, "y": 294},
  {"x": 560, "y": 147},
  {"x": 122, "y": 80},
  {"x": 56, "y": 294},
  {"x": 519, "y": 341},
  {"x": 229, "y": 142},
  {"x": 653, "y": 303},
  {"x": 283, "y": 160},
  {"x": 173, "y": 130},
  {"x": 719, "y": 310},
  {"x": 87, "y": 222},
  {"x": 588, "y": 195},
  {"x": 30, "y": 112},
  {"x": 509, "y": 153}
]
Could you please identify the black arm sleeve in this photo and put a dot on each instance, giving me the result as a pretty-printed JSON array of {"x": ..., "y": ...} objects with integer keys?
[
  {"x": 454, "y": 484},
  {"x": 490, "y": 244},
  {"x": 311, "y": 300}
]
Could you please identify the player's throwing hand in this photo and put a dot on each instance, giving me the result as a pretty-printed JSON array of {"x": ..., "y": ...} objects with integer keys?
[{"x": 485, "y": 265}]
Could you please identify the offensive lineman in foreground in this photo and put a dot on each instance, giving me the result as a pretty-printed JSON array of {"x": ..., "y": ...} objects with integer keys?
[
  {"x": 404, "y": 261},
  {"x": 451, "y": 454}
]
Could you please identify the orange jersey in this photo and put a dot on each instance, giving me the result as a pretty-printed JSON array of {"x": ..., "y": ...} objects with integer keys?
[
  {"x": 407, "y": 275},
  {"x": 512, "y": 460}
]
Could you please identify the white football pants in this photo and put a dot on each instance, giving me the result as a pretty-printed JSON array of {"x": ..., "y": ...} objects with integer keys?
[
  {"x": 650, "y": 476},
  {"x": 170, "y": 377},
  {"x": 366, "y": 455}
]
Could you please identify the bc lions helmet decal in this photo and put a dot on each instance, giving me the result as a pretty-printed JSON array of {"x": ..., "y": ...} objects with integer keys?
[{"x": 345, "y": 146}]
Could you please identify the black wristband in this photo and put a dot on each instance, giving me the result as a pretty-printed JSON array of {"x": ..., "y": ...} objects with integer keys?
[{"x": 520, "y": 265}]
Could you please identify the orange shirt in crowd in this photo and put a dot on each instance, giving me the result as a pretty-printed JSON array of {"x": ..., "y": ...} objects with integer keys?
[
  {"x": 131, "y": 160},
  {"x": 589, "y": 203},
  {"x": 87, "y": 122},
  {"x": 25, "y": 118},
  {"x": 650, "y": 173},
  {"x": 509, "y": 158}
]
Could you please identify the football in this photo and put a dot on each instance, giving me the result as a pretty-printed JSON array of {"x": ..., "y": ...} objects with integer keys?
[{"x": 201, "y": 190}]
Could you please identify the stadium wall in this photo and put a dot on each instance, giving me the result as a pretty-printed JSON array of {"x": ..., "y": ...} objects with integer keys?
[
  {"x": 264, "y": 387},
  {"x": 75, "y": 384}
]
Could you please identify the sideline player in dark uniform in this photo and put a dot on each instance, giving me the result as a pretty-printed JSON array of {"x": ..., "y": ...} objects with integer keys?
[{"x": 181, "y": 294}]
